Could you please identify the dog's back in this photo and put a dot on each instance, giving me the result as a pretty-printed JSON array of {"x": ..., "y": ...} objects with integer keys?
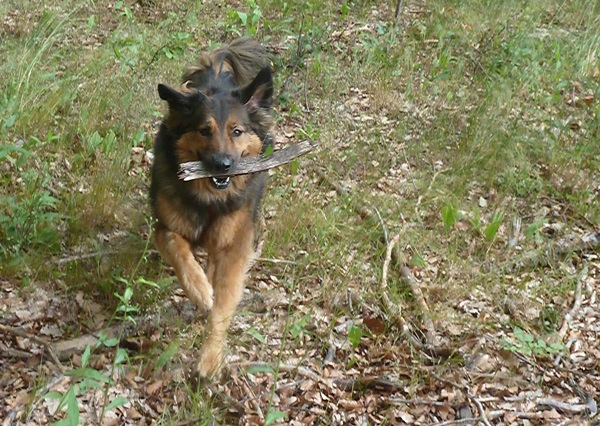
[{"x": 242, "y": 60}]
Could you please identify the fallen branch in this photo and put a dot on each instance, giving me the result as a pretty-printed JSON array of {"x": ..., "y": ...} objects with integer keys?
[
  {"x": 344, "y": 384},
  {"x": 388, "y": 258},
  {"x": 576, "y": 305},
  {"x": 381, "y": 384},
  {"x": 286, "y": 368},
  {"x": 562, "y": 406},
  {"x": 415, "y": 289},
  {"x": 197, "y": 170},
  {"x": 45, "y": 344},
  {"x": 482, "y": 415},
  {"x": 560, "y": 249}
]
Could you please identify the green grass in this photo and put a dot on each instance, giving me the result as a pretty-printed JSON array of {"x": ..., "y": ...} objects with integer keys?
[{"x": 499, "y": 101}]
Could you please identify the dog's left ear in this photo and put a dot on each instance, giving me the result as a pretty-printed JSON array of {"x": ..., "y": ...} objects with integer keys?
[{"x": 259, "y": 93}]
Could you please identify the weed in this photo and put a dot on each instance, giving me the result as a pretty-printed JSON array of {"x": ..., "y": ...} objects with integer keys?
[{"x": 529, "y": 345}]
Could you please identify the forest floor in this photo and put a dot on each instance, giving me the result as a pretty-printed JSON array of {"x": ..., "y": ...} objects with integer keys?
[{"x": 434, "y": 261}]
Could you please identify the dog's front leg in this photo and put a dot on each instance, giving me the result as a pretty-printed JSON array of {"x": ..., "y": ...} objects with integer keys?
[
  {"x": 177, "y": 251},
  {"x": 228, "y": 267}
]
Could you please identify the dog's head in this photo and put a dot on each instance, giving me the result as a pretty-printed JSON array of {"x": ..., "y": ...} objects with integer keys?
[{"x": 220, "y": 124}]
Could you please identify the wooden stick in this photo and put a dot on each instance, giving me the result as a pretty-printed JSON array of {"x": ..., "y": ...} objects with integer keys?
[
  {"x": 46, "y": 345},
  {"x": 388, "y": 259},
  {"x": 576, "y": 305},
  {"x": 197, "y": 170},
  {"x": 415, "y": 289}
]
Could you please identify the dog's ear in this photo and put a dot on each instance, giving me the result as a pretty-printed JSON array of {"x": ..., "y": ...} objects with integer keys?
[
  {"x": 178, "y": 101},
  {"x": 259, "y": 93}
]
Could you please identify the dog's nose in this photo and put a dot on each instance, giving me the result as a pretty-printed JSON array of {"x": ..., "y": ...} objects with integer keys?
[{"x": 222, "y": 162}]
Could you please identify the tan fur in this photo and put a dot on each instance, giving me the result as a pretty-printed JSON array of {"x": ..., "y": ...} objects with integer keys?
[{"x": 200, "y": 213}]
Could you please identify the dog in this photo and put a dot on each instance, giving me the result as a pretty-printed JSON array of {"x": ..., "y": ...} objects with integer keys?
[{"x": 221, "y": 112}]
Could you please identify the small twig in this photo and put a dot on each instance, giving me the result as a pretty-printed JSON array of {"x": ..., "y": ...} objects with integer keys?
[
  {"x": 46, "y": 345},
  {"x": 385, "y": 232},
  {"x": 420, "y": 199},
  {"x": 561, "y": 248},
  {"x": 275, "y": 261},
  {"x": 576, "y": 305},
  {"x": 388, "y": 259},
  {"x": 286, "y": 368},
  {"x": 418, "y": 295},
  {"x": 155, "y": 56},
  {"x": 197, "y": 170},
  {"x": 562, "y": 406},
  {"x": 253, "y": 399},
  {"x": 399, "y": 7},
  {"x": 83, "y": 256},
  {"x": 482, "y": 416},
  {"x": 415, "y": 401}
]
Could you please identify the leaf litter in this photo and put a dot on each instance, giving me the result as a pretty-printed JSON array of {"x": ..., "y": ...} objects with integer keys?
[{"x": 347, "y": 359}]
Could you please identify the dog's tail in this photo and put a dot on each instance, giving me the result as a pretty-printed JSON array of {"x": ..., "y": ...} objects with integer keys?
[{"x": 243, "y": 59}]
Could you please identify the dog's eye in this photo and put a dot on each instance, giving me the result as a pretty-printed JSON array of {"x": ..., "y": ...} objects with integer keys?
[
  {"x": 205, "y": 132},
  {"x": 237, "y": 132}
]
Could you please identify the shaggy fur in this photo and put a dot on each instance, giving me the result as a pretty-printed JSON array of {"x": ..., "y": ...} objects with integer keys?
[{"x": 221, "y": 113}]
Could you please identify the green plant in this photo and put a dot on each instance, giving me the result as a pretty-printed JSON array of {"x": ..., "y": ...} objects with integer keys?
[
  {"x": 492, "y": 229},
  {"x": 449, "y": 215},
  {"x": 529, "y": 345},
  {"x": 28, "y": 218},
  {"x": 86, "y": 377}
]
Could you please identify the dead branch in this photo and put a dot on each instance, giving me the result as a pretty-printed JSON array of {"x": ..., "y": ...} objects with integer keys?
[
  {"x": 197, "y": 170},
  {"x": 482, "y": 415},
  {"x": 84, "y": 256},
  {"x": 285, "y": 368},
  {"x": 561, "y": 406},
  {"x": 67, "y": 348},
  {"x": 556, "y": 251},
  {"x": 381, "y": 384},
  {"x": 415, "y": 289},
  {"x": 388, "y": 258},
  {"x": 398, "y": 11},
  {"x": 576, "y": 305},
  {"x": 45, "y": 344}
]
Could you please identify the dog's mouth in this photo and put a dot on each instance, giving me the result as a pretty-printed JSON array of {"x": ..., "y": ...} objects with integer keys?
[{"x": 220, "y": 182}]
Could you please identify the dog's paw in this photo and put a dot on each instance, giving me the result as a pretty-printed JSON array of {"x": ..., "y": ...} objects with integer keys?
[
  {"x": 210, "y": 362},
  {"x": 200, "y": 293}
]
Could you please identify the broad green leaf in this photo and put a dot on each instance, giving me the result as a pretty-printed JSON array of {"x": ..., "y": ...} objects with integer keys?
[
  {"x": 265, "y": 368},
  {"x": 418, "y": 261},
  {"x": 492, "y": 229},
  {"x": 117, "y": 402},
  {"x": 268, "y": 152},
  {"x": 53, "y": 395},
  {"x": 354, "y": 335},
  {"x": 273, "y": 416},
  {"x": 449, "y": 215},
  {"x": 121, "y": 356},
  {"x": 169, "y": 353},
  {"x": 88, "y": 373},
  {"x": 295, "y": 165},
  {"x": 72, "y": 408},
  {"x": 256, "y": 334},
  {"x": 243, "y": 17},
  {"x": 86, "y": 356}
]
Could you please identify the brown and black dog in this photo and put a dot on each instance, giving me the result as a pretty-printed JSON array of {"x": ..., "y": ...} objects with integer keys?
[{"x": 221, "y": 112}]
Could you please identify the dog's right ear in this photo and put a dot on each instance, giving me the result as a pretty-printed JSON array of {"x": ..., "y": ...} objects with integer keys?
[{"x": 175, "y": 99}]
